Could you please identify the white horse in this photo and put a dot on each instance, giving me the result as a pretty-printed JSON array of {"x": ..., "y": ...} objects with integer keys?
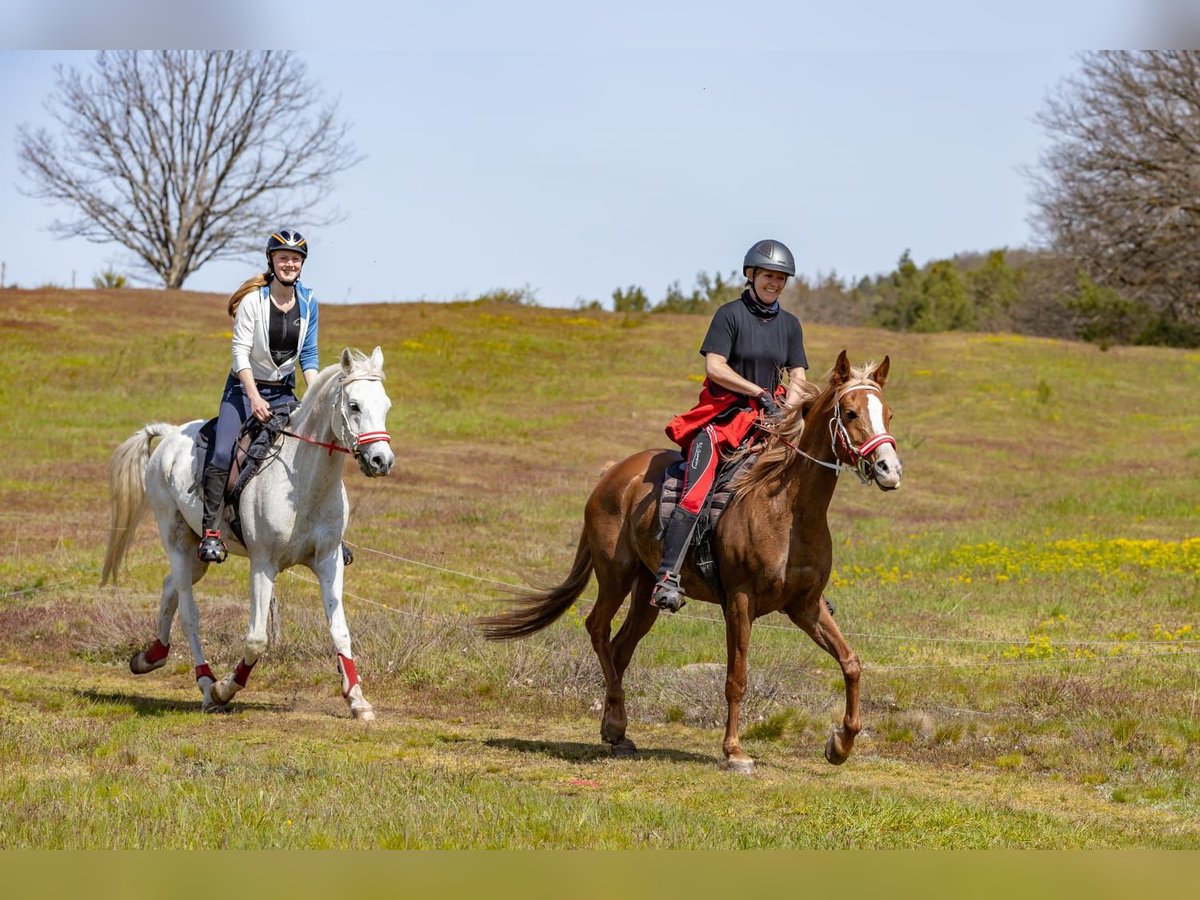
[{"x": 293, "y": 512}]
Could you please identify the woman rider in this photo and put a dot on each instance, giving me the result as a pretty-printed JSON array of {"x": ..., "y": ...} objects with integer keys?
[
  {"x": 750, "y": 344},
  {"x": 274, "y": 326}
]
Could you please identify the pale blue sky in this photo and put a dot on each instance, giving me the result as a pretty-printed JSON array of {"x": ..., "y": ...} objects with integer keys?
[{"x": 576, "y": 151}]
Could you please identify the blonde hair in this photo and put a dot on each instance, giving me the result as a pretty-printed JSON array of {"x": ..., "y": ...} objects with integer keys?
[{"x": 250, "y": 284}]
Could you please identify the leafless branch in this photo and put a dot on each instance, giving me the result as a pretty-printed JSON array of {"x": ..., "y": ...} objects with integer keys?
[
  {"x": 1119, "y": 190},
  {"x": 184, "y": 157}
]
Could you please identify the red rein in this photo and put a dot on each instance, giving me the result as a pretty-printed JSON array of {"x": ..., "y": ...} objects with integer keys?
[{"x": 367, "y": 437}]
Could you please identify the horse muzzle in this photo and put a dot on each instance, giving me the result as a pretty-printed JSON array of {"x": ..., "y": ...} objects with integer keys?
[
  {"x": 887, "y": 469},
  {"x": 375, "y": 458}
]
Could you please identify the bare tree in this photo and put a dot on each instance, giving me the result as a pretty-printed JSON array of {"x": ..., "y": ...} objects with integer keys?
[
  {"x": 184, "y": 157},
  {"x": 1119, "y": 190}
]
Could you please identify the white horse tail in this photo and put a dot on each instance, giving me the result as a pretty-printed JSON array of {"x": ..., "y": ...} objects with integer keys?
[{"x": 127, "y": 494}]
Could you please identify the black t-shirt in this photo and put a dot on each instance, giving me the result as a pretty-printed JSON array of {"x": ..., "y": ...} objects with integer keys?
[
  {"x": 283, "y": 333},
  {"x": 756, "y": 346}
]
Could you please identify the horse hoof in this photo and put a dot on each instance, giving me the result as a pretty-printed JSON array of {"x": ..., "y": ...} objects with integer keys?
[
  {"x": 624, "y": 748},
  {"x": 212, "y": 707},
  {"x": 139, "y": 665},
  {"x": 739, "y": 766},
  {"x": 363, "y": 713},
  {"x": 831, "y": 754},
  {"x": 222, "y": 691}
]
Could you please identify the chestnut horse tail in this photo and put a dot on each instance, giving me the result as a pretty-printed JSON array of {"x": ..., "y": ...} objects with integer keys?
[
  {"x": 537, "y": 609},
  {"x": 127, "y": 494}
]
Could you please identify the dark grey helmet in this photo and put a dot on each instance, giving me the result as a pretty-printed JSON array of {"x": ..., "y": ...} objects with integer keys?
[{"x": 769, "y": 254}]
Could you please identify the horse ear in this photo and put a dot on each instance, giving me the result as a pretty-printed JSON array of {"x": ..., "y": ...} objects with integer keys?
[
  {"x": 377, "y": 358},
  {"x": 880, "y": 373},
  {"x": 841, "y": 369},
  {"x": 347, "y": 361}
]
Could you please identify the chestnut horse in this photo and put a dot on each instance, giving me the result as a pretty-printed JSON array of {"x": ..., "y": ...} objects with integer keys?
[{"x": 772, "y": 546}]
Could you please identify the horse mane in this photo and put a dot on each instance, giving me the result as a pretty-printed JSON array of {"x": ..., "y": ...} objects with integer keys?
[
  {"x": 361, "y": 366},
  {"x": 782, "y": 438}
]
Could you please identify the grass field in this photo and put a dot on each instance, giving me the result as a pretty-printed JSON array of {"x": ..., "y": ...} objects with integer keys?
[{"x": 1025, "y": 606}]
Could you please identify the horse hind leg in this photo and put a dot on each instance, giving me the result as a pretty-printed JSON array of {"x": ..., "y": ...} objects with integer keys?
[
  {"x": 189, "y": 617},
  {"x": 614, "y": 655},
  {"x": 178, "y": 598},
  {"x": 155, "y": 656},
  {"x": 638, "y": 621},
  {"x": 262, "y": 589}
]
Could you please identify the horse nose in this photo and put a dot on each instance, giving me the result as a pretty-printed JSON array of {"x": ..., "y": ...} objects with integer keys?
[
  {"x": 886, "y": 469},
  {"x": 381, "y": 461}
]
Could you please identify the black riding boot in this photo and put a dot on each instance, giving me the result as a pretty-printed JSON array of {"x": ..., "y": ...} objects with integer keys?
[
  {"x": 212, "y": 548},
  {"x": 668, "y": 595}
]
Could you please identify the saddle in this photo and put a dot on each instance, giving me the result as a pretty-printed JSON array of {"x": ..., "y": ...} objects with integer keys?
[
  {"x": 701, "y": 543},
  {"x": 255, "y": 448}
]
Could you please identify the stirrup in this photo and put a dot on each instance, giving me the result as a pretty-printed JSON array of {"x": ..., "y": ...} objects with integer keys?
[
  {"x": 668, "y": 595},
  {"x": 212, "y": 548},
  {"x": 347, "y": 555}
]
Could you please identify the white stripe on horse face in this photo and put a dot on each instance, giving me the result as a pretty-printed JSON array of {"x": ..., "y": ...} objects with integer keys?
[{"x": 875, "y": 413}]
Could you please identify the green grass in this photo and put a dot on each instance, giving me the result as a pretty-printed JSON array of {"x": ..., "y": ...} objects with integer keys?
[{"x": 1024, "y": 606}]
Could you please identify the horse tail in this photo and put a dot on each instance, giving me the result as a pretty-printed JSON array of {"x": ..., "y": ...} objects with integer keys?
[
  {"x": 127, "y": 494},
  {"x": 537, "y": 609}
]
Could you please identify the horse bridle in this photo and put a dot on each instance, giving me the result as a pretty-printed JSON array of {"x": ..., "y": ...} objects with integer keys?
[
  {"x": 361, "y": 439},
  {"x": 839, "y": 436}
]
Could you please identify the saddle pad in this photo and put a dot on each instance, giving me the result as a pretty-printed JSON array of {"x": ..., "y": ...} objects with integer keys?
[
  {"x": 718, "y": 498},
  {"x": 260, "y": 436}
]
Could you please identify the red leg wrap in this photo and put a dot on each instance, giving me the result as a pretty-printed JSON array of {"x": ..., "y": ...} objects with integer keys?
[
  {"x": 242, "y": 673},
  {"x": 158, "y": 651},
  {"x": 204, "y": 672},
  {"x": 349, "y": 674}
]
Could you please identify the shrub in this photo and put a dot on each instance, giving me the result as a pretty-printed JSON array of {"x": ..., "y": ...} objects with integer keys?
[{"x": 109, "y": 279}]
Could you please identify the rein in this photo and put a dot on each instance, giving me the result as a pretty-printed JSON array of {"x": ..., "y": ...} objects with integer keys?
[
  {"x": 330, "y": 445},
  {"x": 364, "y": 437}
]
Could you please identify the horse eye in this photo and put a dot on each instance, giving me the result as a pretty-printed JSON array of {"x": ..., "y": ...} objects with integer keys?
[
  {"x": 851, "y": 415},
  {"x": 354, "y": 406}
]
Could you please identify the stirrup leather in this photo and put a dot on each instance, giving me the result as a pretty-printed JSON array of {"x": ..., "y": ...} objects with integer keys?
[{"x": 212, "y": 549}]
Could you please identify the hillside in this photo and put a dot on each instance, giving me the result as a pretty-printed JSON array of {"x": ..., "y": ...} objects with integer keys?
[{"x": 1024, "y": 605}]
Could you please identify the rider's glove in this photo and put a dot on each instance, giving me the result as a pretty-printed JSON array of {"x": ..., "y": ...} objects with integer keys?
[{"x": 769, "y": 407}]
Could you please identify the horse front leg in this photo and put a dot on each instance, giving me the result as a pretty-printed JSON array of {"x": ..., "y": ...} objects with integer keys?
[
  {"x": 826, "y": 634},
  {"x": 330, "y": 572},
  {"x": 262, "y": 586},
  {"x": 737, "y": 646}
]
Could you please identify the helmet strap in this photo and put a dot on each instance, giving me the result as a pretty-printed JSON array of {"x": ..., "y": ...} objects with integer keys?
[
  {"x": 750, "y": 284},
  {"x": 754, "y": 270}
]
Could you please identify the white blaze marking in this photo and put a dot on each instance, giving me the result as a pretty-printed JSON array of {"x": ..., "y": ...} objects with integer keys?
[{"x": 875, "y": 413}]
